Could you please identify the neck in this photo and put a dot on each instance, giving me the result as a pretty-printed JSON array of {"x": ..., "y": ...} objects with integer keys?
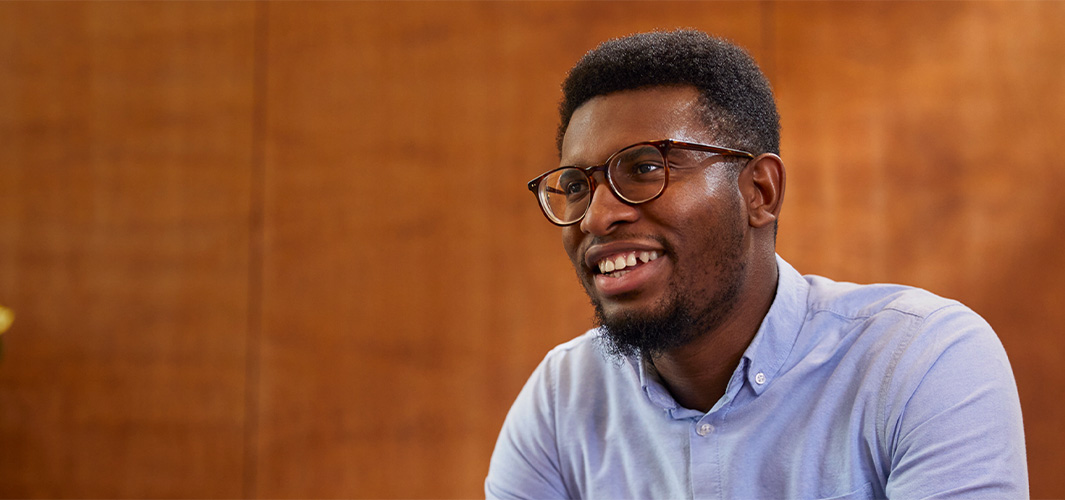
[{"x": 698, "y": 373}]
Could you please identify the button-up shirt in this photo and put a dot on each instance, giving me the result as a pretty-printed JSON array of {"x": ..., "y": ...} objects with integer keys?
[{"x": 846, "y": 391}]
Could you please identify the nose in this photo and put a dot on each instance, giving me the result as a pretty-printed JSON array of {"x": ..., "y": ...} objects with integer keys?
[{"x": 606, "y": 211}]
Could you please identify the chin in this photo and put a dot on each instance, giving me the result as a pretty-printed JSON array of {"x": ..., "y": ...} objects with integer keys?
[
  {"x": 629, "y": 331},
  {"x": 611, "y": 310}
]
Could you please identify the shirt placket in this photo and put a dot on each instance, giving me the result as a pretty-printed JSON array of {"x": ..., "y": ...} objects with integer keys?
[{"x": 705, "y": 441}]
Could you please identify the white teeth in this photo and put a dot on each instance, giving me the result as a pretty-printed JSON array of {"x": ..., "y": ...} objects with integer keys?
[
  {"x": 621, "y": 262},
  {"x": 606, "y": 266}
]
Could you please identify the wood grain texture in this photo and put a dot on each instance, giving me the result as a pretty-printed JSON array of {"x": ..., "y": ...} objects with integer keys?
[
  {"x": 123, "y": 243},
  {"x": 346, "y": 304},
  {"x": 411, "y": 284},
  {"x": 922, "y": 144}
]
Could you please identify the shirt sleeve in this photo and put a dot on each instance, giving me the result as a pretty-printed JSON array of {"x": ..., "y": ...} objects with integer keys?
[
  {"x": 953, "y": 414},
  {"x": 525, "y": 462}
]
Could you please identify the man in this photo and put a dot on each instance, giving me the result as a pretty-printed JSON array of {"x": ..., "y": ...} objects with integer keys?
[{"x": 718, "y": 371}]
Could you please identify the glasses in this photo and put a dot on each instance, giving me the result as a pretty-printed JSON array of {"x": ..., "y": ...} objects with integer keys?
[{"x": 635, "y": 174}]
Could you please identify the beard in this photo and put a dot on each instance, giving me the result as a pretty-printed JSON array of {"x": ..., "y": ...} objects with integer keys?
[
  {"x": 687, "y": 313},
  {"x": 678, "y": 323}
]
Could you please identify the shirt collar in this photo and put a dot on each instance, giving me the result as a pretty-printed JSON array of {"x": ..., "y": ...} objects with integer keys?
[
  {"x": 652, "y": 383},
  {"x": 779, "y": 330},
  {"x": 767, "y": 351}
]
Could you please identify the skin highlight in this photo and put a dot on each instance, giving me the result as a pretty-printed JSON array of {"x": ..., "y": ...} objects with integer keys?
[{"x": 713, "y": 226}]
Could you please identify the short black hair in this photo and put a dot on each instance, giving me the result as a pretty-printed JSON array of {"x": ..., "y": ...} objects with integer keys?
[{"x": 737, "y": 100}]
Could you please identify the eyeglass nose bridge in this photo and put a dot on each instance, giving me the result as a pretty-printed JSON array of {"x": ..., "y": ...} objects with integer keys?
[
  {"x": 593, "y": 186},
  {"x": 608, "y": 180},
  {"x": 593, "y": 183}
]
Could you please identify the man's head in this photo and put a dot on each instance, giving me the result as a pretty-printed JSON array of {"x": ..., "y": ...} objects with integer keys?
[
  {"x": 665, "y": 272},
  {"x": 735, "y": 96}
]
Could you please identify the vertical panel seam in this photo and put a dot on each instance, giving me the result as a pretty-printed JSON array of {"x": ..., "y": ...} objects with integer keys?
[{"x": 256, "y": 244}]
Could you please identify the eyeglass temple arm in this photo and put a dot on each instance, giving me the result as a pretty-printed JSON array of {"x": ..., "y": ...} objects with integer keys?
[{"x": 712, "y": 149}]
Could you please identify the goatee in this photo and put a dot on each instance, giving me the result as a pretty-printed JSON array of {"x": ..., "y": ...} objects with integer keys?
[{"x": 678, "y": 323}]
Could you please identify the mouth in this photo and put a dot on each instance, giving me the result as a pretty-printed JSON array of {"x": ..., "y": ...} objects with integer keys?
[
  {"x": 625, "y": 271},
  {"x": 616, "y": 266}
]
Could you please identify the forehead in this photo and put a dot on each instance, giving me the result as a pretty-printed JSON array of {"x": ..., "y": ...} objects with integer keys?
[{"x": 608, "y": 123}]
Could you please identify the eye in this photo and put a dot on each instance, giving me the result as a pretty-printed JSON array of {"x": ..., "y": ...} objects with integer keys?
[
  {"x": 641, "y": 163},
  {"x": 573, "y": 184},
  {"x": 575, "y": 188},
  {"x": 645, "y": 168}
]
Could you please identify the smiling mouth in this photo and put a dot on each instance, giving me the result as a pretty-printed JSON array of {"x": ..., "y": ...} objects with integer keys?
[{"x": 616, "y": 266}]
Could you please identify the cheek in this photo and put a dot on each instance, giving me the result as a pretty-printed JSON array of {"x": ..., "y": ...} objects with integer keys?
[
  {"x": 699, "y": 212},
  {"x": 571, "y": 241},
  {"x": 702, "y": 193},
  {"x": 720, "y": 184},
  {"x": 710, "y": 231},
  {"x": 717, "y": 206}
]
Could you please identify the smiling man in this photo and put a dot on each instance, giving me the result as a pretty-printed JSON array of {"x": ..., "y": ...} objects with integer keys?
[{"x": 717, "y": 370}]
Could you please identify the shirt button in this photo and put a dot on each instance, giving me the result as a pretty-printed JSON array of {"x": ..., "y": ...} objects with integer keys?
[
  {"x": 760, "y": 378},
  {"x": 704, "y": 429}
]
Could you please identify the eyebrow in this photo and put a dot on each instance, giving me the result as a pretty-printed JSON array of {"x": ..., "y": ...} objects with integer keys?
[
  {"x": 637, "y": 151},
  {"x": 589, "y": 164}
]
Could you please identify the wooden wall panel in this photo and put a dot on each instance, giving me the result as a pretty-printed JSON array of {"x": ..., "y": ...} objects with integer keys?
[
  {"x": 124, "y": 203},
  {"x": 922, "y": 144},
  {"x": 411, "y": 284},
  {"x": 408, "y": 283}
]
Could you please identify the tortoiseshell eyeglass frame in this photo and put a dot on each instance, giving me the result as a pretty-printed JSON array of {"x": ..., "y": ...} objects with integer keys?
[{"x": 663, "y": 146}]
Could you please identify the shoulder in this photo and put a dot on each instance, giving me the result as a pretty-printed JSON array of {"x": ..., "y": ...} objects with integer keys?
[
  {"x": 530, "y": 459},
  {"x": 582, "y": 345},
  {"x": 570, "y": 358},
  {"x": 572, "y": 368},
  {"x": 911, "y": 325},
  {"x": 907, "y": 328},
  {"x": 938, "y": 381},
  {"x": 906, "y": 342},
  {"x": 854, "y": 301}
]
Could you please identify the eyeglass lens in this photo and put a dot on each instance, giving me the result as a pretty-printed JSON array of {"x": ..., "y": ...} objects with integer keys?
[{"x": 636, "y": 174}]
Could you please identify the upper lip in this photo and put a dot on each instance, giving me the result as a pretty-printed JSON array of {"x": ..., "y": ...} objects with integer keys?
[{"x": 596, "y": 253}]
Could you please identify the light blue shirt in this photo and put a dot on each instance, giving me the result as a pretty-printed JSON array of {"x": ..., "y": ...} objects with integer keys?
[{"x": 846, "y": 391}]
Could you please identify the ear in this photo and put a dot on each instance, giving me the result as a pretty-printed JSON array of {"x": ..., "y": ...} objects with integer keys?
[{"x": 762, "y": 187}]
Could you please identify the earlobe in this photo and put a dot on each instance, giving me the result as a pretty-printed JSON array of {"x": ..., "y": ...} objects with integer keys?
[{"x": 762, "y": 184}]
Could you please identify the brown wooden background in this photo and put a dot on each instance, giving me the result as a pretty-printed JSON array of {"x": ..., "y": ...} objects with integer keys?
[{"x": 285, "y": 250}]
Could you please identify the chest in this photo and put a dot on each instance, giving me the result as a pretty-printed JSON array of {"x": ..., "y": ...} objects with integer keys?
[{"x": 787, "y": 445}]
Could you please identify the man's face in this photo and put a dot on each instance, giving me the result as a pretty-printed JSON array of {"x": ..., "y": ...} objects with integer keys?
[{"x": 697, "y": 227}]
